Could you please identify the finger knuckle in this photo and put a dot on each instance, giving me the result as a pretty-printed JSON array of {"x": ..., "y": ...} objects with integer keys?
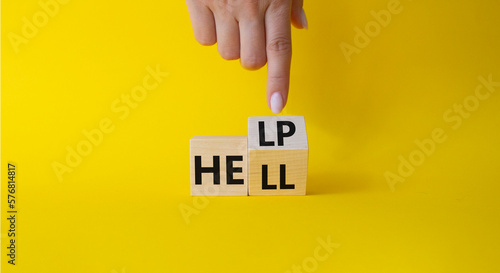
[
  {"x": 251, "y": 9},
  {"x": 280, "y": 44},
  {"x": 223, "y": 7},
  {"x": 279, "y": 79}
]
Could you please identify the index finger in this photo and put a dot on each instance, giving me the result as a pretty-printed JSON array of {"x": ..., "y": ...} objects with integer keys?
[{"x": 279, "y": 55}]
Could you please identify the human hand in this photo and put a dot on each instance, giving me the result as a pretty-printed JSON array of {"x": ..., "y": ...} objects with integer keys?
[{"x": 254, "y": 31}]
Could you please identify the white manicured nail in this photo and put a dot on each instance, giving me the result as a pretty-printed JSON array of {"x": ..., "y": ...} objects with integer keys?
[
  {"x": 276, "y": 103},
  {"x": 303, "y": 18}
]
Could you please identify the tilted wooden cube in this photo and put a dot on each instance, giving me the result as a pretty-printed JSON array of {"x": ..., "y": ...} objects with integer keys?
[
  {"x": 219, "y": 165},
  {"x": 277, "y": 155}
]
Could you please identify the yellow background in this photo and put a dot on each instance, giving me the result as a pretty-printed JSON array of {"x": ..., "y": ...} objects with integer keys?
[{"x": 118, "y": 211}]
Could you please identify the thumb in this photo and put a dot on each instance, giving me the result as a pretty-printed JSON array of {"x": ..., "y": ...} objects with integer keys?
[{"x": 299, "y": 19}]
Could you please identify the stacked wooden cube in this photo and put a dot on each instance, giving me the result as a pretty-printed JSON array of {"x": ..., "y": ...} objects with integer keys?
[{"x": 272, "y": 160}]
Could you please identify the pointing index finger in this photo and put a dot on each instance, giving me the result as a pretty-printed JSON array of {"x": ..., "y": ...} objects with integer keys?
[{"x": 279, "y": 55}]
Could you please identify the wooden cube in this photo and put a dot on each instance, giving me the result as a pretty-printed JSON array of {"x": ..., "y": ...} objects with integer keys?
[
  {"x": 277, "y": 155},
  {"x": 219, "y": 166}
]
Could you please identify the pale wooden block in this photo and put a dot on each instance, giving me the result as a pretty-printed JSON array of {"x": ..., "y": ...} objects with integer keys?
[
  {"x": 270, "y": 129},
  {"x": 295, "y": 172},
  {"x": 277, "y": 146},
  {"x": 223, "y": 147}
]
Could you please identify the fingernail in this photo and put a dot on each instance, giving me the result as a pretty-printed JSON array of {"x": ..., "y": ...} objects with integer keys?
[
  {"x": 276, "y": 103},
  {"x": 303, "y": 18}
]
